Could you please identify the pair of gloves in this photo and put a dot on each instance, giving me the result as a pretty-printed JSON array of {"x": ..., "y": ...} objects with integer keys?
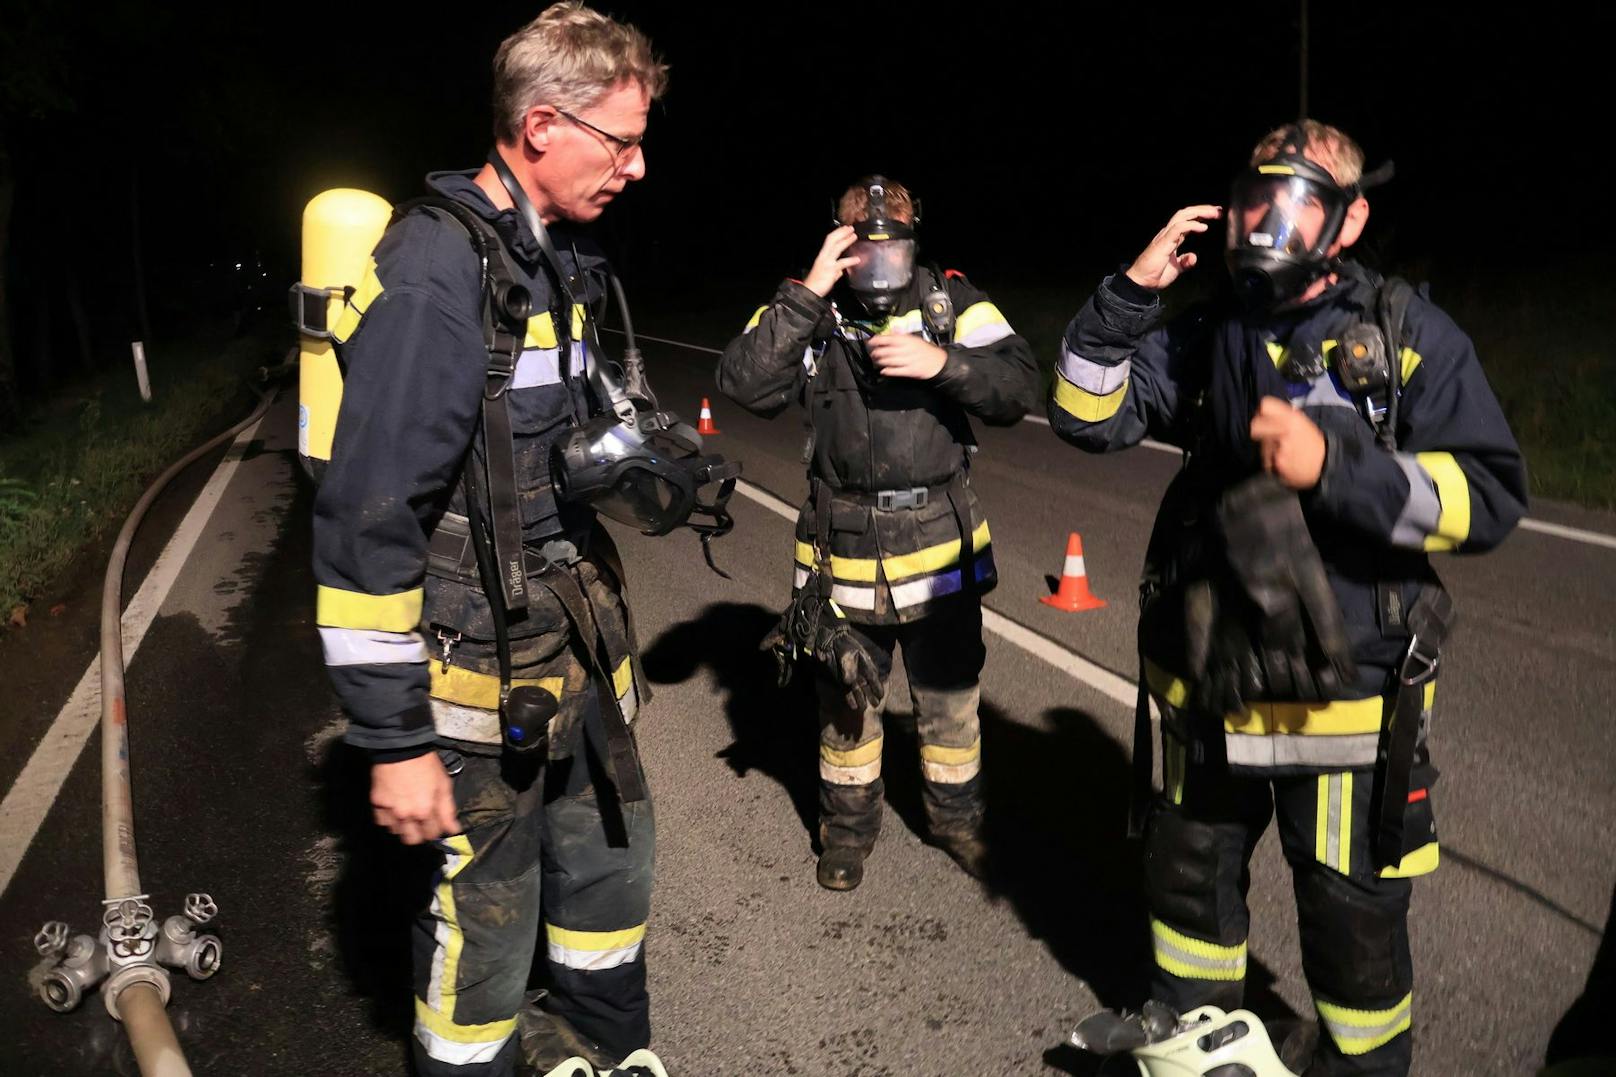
[
  {"x": 1270, "y": 627},
  {"x": 813, "y": 626}
]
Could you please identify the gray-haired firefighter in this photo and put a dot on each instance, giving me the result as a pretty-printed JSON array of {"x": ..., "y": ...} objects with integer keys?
[
  {"x": 890, "y": 359},
  {"x": 1339, "y": 429},
  {"x": 470, "y": 605}
]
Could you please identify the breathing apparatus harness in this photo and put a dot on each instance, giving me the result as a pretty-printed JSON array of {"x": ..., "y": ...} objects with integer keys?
[{"x": 504, "y": 567}]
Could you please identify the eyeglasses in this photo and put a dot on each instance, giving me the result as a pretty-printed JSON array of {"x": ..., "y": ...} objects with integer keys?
[{"x": 622, "y": 148}]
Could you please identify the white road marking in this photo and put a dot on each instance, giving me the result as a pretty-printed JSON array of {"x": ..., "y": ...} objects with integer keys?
[{"x": 30, "y": 798}]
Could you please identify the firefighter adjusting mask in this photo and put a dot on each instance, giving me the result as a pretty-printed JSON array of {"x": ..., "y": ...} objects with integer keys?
[
  {"x": 1284, "y": 217},
  {"x": 885, "y": 247}
]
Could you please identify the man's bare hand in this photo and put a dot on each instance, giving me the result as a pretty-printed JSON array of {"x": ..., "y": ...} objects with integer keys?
[
  {"x": 1160, "y": 264},
  {"x": 829, "y": 266},
  {"x": 1292, "y": 444},
  {"x": 414, "y": 798},
  {"x": 905, "y": 355}
]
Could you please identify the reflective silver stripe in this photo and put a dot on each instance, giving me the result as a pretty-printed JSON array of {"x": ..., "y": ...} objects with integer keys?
[
  {"x": 951, "y": 774},
  {"x": 1332, "y": 835},
  {"x": 854, "y": 598},
  {"x": 370, "y": 647},
  {"x": 465, "y": 723},
  {"x": 1421, "y": 511},
  {"x": 542, "y": 366},
  {"x": 1092, "y": 377},
  {"x": 459, "y": 1054},
  {"x": 914, "y": 592},
  {"x": 800, "y": 579},
  {"x": 1357, "y": 1032},
  {"x": 1301, "y": 750},
  {"x": 629, "y": 701},
  {"x": 592, "y": 960},
  {"x": 1325, "y": 393},
  {"x": 810, "y": 362},
  {"x": 1192, "y": 958},
  {"x": 983, "y": 335}
]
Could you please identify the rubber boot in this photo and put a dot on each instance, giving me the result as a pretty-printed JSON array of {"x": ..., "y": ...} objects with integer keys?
[
  {"x": 967, "y": 848},
  {"x": 841, "y": 867}
]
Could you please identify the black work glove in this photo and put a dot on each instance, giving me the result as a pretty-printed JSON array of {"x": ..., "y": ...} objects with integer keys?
[
  {"x": 814, "y": 627},
  {"x": 1272, "y": 629}
]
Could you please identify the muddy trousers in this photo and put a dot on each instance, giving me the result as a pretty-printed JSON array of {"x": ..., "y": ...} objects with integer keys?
[
  {"x": 1353, "y": 920},
  {"x": 943, "y": 655},
  {"x": 545, "y": 866}
]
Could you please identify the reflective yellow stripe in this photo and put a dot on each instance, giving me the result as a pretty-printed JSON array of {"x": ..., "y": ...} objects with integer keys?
[
  {"x": 1421, "y": 861},
  {"x": 1357, "y": 1032},
  {"x": 1278, "y": 353},
  {"x": 472, "y": 689},
  {"x": 1174, "y": 691},
  {"x": 370, "y": 286},
  {"x": 1197, "y": 959},
  {"x": 976, "y": 316},
  {"x": 756, "y": 317},
  {"x": 541, "y": 328},
  {"x": 863, "y": 755},
  {"x": 864, "y": 569},
  {"x": 1342, "y": 717},
  {"x": 1453, "y": 527},
  {"x": 932, "y": 558},
  {"x": 1411, "y": 359},
  {"x": 460, "y": 846},
  {"x": 951, "y": 757},
  {"x": 440, "y": 1025},
  {"x": 1321, "y": 822},
  {"x": 1084, "y": 405},
  {"x": 336, "y": 608},
  {"x": 622, "y": 678},
  {"x": 1174, "y": 762},
  {"x": 594, "y": 940},
  {"x": 1275, "y": 170}
]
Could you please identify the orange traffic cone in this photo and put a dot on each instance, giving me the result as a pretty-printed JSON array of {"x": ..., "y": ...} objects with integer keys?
[
  {"x": 704, "y": 425},
  {"x": 1074, "y": 595}
]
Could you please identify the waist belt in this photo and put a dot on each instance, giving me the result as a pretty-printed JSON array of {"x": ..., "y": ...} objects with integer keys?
[
  {"x": 452, "y": 555},
  {"x": 911, "y": 497},
  {"x": 1430, "y": 620}
]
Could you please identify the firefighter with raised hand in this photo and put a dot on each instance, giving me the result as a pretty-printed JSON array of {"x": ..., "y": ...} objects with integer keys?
[
  {"x": 470, "y": 605},
  {"x": 1338, "y": 429},
  {"x": 890, "y": 358}
]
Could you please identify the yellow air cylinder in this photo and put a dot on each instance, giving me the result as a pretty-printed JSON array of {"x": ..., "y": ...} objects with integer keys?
[{"x": 341, "y": 228}]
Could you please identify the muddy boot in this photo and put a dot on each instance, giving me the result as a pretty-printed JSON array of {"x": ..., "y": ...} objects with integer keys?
[
  {"x": 841, "y": 867},
  {"x": 967, "y": 848},
  {"x": 548, "y": 1041}
]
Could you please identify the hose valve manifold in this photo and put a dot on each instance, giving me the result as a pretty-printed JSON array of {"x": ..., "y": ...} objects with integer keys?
[{"x": 133, "y": 948}]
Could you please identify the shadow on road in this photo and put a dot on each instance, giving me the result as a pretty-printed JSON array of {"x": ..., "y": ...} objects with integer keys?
[{"x": 1056, "y": 797}]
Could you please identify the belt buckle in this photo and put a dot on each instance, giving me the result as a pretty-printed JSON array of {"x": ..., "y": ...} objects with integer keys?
[
  {"x": 1427, "y": 658},
  {"x": 886, "y": 500},
  {"x": 919, "y": 497}
]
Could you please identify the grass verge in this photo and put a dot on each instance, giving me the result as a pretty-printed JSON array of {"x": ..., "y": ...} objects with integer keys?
[{"x": 77, "y": 462}]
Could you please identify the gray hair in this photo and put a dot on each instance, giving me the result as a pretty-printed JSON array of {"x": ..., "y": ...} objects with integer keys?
[{"x": 569, "y": 57}]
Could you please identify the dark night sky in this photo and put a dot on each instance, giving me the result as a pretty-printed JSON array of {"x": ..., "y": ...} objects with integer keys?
[{"x": 1044, "y": 143}]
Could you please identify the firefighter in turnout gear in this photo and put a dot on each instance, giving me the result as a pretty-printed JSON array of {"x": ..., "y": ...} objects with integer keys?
[
  {"x": 1338, "y": 429},
  {"x": 496, "y": 704},
  {"x": 890, "y": 358}
]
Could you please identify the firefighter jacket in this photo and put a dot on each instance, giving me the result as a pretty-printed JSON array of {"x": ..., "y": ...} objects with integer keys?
[
  {"x": 892, "y": 451},
  {"x": 406, "y": 628},
  {"x": 1455, "y": 481}
]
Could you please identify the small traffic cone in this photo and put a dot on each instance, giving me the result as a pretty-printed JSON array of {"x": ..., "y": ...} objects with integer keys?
[
  {"x": 704, "y": 425},
  {"x": 1073, "y": 595}
]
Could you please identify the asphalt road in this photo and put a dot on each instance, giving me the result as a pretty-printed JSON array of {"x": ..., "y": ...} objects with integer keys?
[{"x": 243, "y": 790}]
